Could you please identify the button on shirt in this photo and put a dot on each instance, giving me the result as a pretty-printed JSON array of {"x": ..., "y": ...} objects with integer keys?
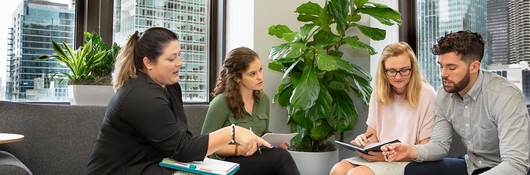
[{"x": 493, "y": 122}]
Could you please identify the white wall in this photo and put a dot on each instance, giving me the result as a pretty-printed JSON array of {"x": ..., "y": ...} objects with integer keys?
[
  {"x": 239, "y": 24},
  {"x": 248, "y": 26}
]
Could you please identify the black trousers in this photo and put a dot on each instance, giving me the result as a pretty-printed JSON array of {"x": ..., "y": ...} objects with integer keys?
[{"x": 273, "y": 161}]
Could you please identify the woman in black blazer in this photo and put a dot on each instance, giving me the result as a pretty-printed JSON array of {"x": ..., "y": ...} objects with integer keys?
[{"x": 145, "y": 120}]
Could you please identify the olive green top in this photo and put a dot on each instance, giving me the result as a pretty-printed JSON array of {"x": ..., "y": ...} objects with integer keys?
[{"x": 219, "y": 115}]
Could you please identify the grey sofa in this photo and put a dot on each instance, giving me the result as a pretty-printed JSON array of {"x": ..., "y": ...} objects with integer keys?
[{"x": 59, "y": 138}]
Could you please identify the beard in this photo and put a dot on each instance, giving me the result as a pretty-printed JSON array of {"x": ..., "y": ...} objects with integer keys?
[{"x": 458, "y": 86}]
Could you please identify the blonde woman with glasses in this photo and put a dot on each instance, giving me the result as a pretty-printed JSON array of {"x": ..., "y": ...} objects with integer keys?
[{"x": 401, "y": 107}]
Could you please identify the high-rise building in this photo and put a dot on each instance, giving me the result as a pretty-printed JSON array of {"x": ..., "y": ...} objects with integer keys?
[
  {"x": 436, "y": 18},
  {"x": 35, "y": 24},
  {"x": 519, "y": 30},
  {"x": 428, "y": 34},
  {"x": 189, "y": 19},
  {"x": 498, "y": 21}
]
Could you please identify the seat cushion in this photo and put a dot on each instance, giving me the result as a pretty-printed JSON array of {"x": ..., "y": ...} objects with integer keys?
[{"x": 10, "y": 165}]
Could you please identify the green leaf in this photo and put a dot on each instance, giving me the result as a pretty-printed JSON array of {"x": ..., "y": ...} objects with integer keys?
[
  {"x": 276, "y": 66},
  {"x": 322, "y": 107},
  {"x": 298, "y": 117},
  {"x": 374, "y": 33},
  {"x": 360, "y": 3},
  {"x": 330, "y": 63},
  {"x": 355, "y": 43},
  {"x": 279, "y": 30},
  {"x": 327, "y": 62},
  {"x": 308, "y": 12},
  {"x": 306, "y": 92},
  {"x": 344, "y": 113},
  {"x": 325, "y": 38},
  {"x": 321, "y": 131},
  {"x": 338, "y": 9},
  {"x": 382, "y": 13},
  {"x": 288, "y": 71},
  {"x": 307, "y": 31},
  {"x": 284, "y": 92},
  {"x": 336, "y": 85},
  {"x": 354, "y": 17},
  {"x": 288, "y": 52}
]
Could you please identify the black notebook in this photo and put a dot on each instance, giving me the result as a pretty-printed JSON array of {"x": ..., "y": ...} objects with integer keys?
[{"x": 376, "y": 147}]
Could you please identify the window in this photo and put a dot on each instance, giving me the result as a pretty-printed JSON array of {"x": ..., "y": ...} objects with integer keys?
[
  {"x": 32, "y": 27},
  {"x": 187, "y": 18},
  {"x": 504, "y": 26}
]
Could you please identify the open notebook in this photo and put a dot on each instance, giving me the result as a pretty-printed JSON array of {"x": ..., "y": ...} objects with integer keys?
[
  {"x": 376, "y": 147},
  {"x": 207, "y": 166}
]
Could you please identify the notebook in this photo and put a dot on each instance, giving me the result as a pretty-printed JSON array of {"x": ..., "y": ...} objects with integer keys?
[
  {"x": 206, "y": 167},
  {"x": 376, "y": 147}
]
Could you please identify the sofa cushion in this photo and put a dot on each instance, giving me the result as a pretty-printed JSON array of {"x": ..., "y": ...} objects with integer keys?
[{"x": 10, "y": 165}]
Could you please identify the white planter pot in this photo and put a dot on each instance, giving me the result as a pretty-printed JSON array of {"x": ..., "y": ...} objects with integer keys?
[
  {"x": 315, "y": 163},
  {"x": 93, "y": 95}
]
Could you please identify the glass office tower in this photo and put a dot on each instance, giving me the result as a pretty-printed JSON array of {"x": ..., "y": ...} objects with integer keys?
[
  {"x": 35, "y": 24},
  {"x": 189, "y": 19}
]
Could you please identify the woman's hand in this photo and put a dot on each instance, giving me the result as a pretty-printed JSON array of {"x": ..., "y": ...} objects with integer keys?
[
  {"x": 248, "y": 141},
  {"x": 372, "y": 156},
  {"x": 361, "y": 139}
]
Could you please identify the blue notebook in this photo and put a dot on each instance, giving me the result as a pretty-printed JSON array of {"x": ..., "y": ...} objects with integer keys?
[{"x": 206, "y": 167}]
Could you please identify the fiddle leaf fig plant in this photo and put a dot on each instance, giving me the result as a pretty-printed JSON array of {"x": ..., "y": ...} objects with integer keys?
[{"x": 318, "y": 86}]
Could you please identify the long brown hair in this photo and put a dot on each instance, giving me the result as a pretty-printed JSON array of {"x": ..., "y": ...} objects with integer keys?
[
  {"x": 384, "y": 92},
  {"x": 148, "y": 44},
  {"x": 236, "y": 62}
]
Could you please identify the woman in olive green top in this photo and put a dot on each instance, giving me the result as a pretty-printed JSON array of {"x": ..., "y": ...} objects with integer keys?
[{"x": 239, "y": 99}]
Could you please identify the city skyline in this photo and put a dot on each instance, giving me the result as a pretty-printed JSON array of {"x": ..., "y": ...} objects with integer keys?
[{"x": 35, "y": 25}]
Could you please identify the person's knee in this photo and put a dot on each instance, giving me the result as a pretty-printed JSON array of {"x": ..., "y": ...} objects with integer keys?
[
  {"x": 360, "y": 170},
  {"x": 341, "y": 168},
  {"x": 413, "y": 168}
]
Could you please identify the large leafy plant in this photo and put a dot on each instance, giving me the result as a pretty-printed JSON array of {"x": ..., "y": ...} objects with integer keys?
[
  {"x": 90, "y": 64},
  {"x": 318, "y": 86}
]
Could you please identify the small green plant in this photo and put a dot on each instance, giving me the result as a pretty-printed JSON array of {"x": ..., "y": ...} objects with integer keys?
[
  {"x": 91, "y": 63},
  {"x": 317, "y": 82}
]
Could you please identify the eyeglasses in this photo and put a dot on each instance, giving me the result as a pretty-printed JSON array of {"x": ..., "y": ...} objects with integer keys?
[{"x": 402, "y": 72}]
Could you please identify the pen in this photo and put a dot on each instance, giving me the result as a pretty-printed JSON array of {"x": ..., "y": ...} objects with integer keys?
[
  {"x": 259, "y": 149},
  {"x": 368, "y": 135}
]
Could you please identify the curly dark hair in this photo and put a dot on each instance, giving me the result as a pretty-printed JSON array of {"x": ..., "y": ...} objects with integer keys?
[
  {"x": 236, "y": 62},
  {"x": 465, "y": 43}
]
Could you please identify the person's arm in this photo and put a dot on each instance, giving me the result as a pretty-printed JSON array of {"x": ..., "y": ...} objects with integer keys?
[
  {"x": 512, "y": 126},
  {"x": 152, "y": 117},
  {"x": 215, "y": 118}
]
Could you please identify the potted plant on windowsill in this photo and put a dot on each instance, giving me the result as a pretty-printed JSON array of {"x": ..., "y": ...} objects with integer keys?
[
  {"x": 318, "y": 85},
  {"x": 90, "y": 69}
]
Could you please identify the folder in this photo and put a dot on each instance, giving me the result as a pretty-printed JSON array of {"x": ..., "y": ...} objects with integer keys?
[{"x": 206, "y": 167}]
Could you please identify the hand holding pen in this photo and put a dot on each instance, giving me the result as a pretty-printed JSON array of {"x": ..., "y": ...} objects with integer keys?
[{"x": 362, "y": 139}]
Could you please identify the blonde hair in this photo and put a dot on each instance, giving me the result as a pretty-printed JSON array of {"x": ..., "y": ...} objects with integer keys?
[
  {"x": 384, "y": 92},
  {"x": 124, "y": 68}
]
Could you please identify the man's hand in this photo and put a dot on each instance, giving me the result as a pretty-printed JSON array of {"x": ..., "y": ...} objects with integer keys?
[
  {"x": 399, "y": 152},
  {"x": 372, "y": 156}
]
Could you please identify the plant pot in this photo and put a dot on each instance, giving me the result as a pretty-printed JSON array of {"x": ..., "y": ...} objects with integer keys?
[
  {"x": 315, "y": 163},
  {"x": 90, "y": 95}
]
